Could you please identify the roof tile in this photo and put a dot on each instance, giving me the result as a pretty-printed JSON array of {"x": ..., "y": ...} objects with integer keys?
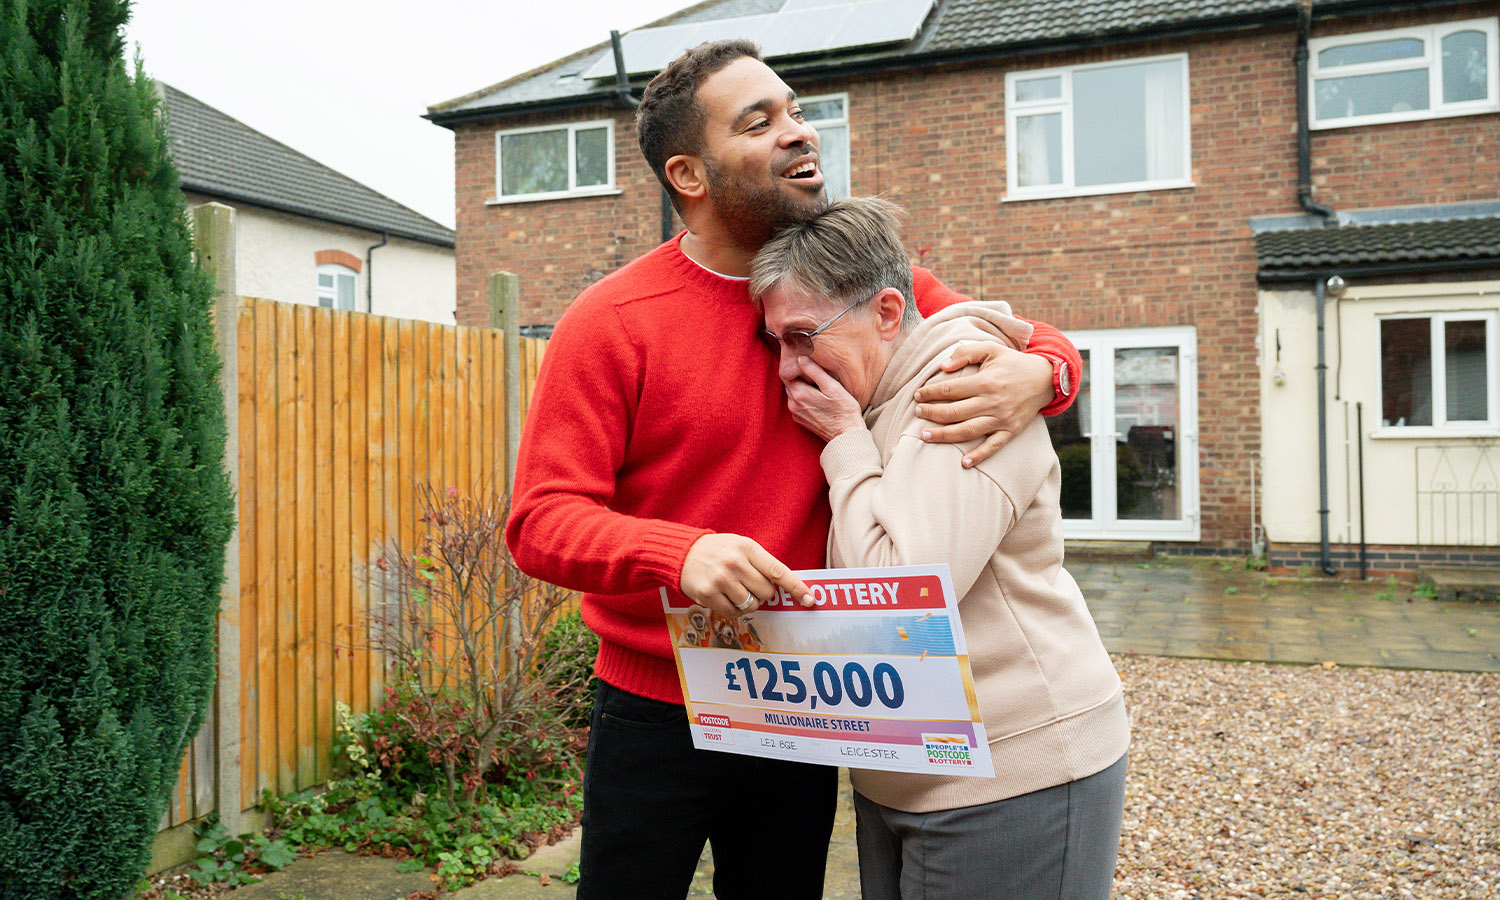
[
  {"x": 1305, "y": 249},
  {"x": 219, "y": 155}
]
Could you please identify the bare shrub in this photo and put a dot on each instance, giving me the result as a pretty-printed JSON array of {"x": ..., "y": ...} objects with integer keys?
[{"x": 481, "y": 687}]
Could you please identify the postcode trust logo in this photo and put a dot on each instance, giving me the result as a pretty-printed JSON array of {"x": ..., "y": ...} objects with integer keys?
[{"x": 948, "y": 749}]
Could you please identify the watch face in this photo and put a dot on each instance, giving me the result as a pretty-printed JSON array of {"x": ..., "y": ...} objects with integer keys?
[{"x": 1064, "y": 380}]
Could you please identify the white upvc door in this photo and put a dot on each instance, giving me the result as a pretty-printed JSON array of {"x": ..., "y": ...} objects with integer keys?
[{"x": 1129, "y": 445}]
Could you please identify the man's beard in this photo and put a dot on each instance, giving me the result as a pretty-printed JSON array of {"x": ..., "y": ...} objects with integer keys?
[{"x": 755, "y": 211}]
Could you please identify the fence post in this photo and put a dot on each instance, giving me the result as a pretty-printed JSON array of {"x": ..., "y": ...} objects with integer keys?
[
  {"x": 214, "y": 236},
  {"x": 505, "y": 313}
]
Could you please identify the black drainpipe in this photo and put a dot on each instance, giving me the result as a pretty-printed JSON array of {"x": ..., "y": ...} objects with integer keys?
[
  {"x": 1305, "y": 198},
  {"x": 622, "y": 83},
  {"x": 622, "y": 93},
  {"x": 1304, "y": 134},
  {"x": 370, "y": 272}
]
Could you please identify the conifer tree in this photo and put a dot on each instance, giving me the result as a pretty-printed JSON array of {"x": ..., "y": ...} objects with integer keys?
[{"x": 114, "y": 507}]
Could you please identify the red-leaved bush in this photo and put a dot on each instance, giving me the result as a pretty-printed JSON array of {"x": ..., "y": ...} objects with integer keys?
[{"x": 483, "y": 687}]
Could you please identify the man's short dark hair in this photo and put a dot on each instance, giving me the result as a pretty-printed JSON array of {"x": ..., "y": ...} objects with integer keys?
[{"x": 670, "y": 120}]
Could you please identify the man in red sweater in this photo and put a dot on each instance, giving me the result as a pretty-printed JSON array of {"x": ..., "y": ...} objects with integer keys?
[{"x": 660, "y": 452}]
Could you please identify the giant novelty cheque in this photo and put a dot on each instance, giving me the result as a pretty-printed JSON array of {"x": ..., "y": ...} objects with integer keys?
[{"x": 874, "y": 675}]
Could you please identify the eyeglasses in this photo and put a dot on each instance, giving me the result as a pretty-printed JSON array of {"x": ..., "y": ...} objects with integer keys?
[{"x": 801, "y": 342}]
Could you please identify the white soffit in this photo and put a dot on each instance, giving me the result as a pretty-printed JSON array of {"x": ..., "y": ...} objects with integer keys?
[{"x": 799, "y": 27}]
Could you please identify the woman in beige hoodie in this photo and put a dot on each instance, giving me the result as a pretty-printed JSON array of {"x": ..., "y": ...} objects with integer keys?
[{"x": 836, "y": 293}]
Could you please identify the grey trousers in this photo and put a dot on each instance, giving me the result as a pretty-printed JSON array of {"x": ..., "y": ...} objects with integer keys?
[{"x": 1054, "y": 844}]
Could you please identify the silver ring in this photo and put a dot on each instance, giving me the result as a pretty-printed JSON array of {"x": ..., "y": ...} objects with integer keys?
[{"x": 749, "y": 602}]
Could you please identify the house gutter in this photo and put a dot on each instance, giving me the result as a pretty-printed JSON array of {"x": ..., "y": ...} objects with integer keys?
[
  {"x": 887, "y": 64},
  {"x": 1302, "y": 276},
  {"x": 629, "y": 101},
  {"x": 1304, "y": 133},
  {"x": 1241, "y": 22},
  {"x": 1320, "y": 286}
]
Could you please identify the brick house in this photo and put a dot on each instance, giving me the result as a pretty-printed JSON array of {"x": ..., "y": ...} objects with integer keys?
[{"x": 1129, "y": 173}]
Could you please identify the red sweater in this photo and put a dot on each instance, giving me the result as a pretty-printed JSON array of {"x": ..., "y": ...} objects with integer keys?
[{"x": 658, "y": 418}]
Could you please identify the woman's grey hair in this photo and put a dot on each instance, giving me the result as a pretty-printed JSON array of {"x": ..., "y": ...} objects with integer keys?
[{"x": 849, "y": 251}]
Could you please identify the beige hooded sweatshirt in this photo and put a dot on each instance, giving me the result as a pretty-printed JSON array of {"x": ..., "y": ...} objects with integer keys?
[{"x": 1049, "y": 695}]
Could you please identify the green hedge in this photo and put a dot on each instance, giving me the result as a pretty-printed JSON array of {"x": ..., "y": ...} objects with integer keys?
[{"x": 114, "y": 509}]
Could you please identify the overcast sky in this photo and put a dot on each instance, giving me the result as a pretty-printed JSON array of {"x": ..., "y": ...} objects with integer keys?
[{"x": 347, "y": 82}]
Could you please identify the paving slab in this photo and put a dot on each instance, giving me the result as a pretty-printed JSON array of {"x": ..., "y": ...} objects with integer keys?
[
  {"x": 336, "y": 875},
  {"x": 1185, "y": 607},
  {"x": 1473, "y": 583}
]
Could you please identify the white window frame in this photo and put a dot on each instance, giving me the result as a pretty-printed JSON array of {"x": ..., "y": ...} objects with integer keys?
[
  {"x": 331, "y": 294},
  {"x": 573, "y": 190},
  {"x": 1106, "y": 523},
  {"x": 1064, "y": 105},
  {"x": 849, "y": 144},
  {"x": 1441, "y": 427},
  {"x": 1432, "y": 60}
]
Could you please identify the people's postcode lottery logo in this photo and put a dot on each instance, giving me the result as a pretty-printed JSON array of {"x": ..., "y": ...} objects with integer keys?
[{"x": 948, "y": 749}]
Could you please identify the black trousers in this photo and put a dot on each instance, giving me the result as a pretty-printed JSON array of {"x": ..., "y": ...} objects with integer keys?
[{"x": 650, "y": 801}]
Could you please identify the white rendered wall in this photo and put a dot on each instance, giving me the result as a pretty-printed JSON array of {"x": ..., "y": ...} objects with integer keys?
[
  {"x": 1289, "y": 412},
  {"x": 276, "y": 255}
]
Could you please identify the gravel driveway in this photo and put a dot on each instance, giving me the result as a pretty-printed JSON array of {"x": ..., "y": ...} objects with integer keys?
[{"x": 1250, "y": 780}]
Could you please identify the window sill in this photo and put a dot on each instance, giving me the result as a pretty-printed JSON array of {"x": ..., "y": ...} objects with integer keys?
[
  {"x": 1427, "y": 433},
  {"x": 561, "y": 195},
  {"x": 1413, "y": 116},
  {"x": 1095, "y": 190}
]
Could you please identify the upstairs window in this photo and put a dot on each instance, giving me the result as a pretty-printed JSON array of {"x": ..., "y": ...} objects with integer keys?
[
  {"x": 830, "y": 116},
  {"x": 555, "y": 161},
  {"x": 336, "y": 286},
  {"x": 1439, "y": 372},
  {"x": 1098, "y": 129},
  {"x": 1404, "y": 74}
]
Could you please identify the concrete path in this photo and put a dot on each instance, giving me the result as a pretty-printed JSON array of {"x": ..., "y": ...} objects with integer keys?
[
  {"x": 1189, "y": 608},
  {"x": 336, "y": 875}
]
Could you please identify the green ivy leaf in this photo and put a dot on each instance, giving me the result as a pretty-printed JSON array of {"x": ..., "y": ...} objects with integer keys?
[{"x": 277, "y": 855}]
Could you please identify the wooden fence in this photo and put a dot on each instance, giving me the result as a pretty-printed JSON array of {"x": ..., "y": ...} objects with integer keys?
[{"x": 335, "y": 418}]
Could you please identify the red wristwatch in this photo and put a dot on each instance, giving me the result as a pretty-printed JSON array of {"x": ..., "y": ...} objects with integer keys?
[{"x": 1062, "y": 378}]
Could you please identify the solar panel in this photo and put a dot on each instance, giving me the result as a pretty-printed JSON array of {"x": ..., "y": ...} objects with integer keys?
[
  {"x": 804, "y": 30},
  {"x": 882, "y": 22},
  {"x": 650, "y": 49},
  {"x": 799, "y": 27},
  {"x": 794, "y": 5}
]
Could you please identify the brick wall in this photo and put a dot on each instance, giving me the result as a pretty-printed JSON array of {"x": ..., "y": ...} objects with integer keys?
[
  {"x": 1453, "y": 160},
  {"x": 558, "y": 247},
  {"x": 1380, "y": 559},
  {"x": 1147, "y": 259},
  {"x": 935, "y": 142}
]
